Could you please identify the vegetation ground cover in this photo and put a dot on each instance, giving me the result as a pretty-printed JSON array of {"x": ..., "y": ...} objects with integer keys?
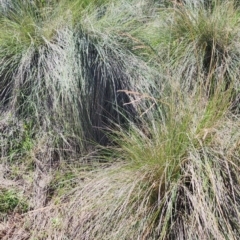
[{"x": 119, "y": 119}]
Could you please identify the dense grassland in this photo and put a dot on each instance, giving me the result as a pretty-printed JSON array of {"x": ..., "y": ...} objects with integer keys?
[{"x": 119, "y": 119}]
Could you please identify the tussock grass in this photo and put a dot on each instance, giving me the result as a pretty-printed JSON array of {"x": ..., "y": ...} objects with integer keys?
[
  {"x": 62, "y": 65},
  {"x": 178, "y": 181},
  {"x": 35, "y": 68},
  {"x": 110, "y": 66},
  {"x": 184, "y": 140},
  {"x": 132, "y": 201},
  {"x": 155, "y": 83},
  {"x": 198, "y": 40}
]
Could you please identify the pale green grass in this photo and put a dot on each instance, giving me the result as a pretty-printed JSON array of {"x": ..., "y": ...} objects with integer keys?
[
  {"x": 163, "y": 151},
  {"x": 63, "y": 64},
  {"x": 199, "y": 43},
  {"x": 155, "y": 84}
]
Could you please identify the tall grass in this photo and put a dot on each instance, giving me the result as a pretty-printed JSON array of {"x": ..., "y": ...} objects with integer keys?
[
  {"x": 109, "y": 65},
  {"x": 175, "y": 179},
  {"x": 168, "y": 188},
  {"x": 155, "y": 83},
  {"x": 62, "y": 65},
  {"x": 198, "y": 40},
  {"x": 181, "y": 162}
]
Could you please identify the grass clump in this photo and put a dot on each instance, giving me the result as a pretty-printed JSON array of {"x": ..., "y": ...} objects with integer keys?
[
  {"x": 10, "y": 201},
  {"x": 199, "y": 42},
  {"x": 29, "y": 49},
  {"x": 62, "y": 72},
  {"x": 182, "y": 177},
  {"x": 175, "y": 179}
]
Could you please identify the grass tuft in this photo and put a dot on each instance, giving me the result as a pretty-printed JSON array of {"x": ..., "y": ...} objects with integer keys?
[{"x": 10, "y": 201}]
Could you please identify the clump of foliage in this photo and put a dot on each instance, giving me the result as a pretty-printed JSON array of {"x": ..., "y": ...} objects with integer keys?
[
  {"x": 10, "y": 201},
  {"x": 183, "y": 173},
  {"x": 16, "y": 138},
  {"x": 62, "y": 66},
  {"x": 199, "y": 39}
]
